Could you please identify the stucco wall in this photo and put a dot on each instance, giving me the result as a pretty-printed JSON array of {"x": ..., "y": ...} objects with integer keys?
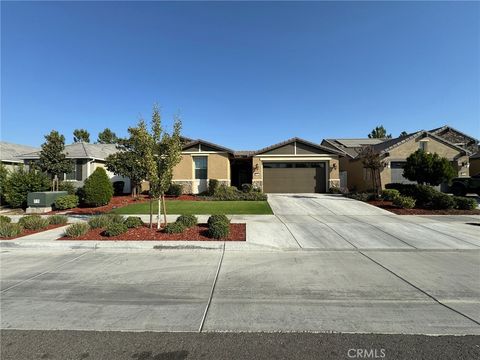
[
  {"x": 334, "y": 173},
  {"x": 433, "y": 146},
  {"x": 218, "y": 166},
  {"x": 354, "y": 169},
  {"x": 474, "y": 166},
  {"x": 184, "y": 170}
]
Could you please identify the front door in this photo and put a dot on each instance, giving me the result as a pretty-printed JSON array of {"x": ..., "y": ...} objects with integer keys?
[{"x": 200, "y": 182}]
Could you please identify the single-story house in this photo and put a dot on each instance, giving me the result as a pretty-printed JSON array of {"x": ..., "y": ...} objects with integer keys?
[
  {"x": 394, "y": 153},
  {"x": 86, "y": 158},
  {"x": 9, "y": 154}
]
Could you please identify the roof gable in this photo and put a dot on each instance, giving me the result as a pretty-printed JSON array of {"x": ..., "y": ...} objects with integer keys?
[
  {"x": 205, "y": 146},
  {"x": 287, "y": 144}
]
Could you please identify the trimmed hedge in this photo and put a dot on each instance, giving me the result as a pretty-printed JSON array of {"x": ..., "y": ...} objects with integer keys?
[
  {"x": 133, "y": 222},
  {"x": 5, "y": 219},
  {"x": 33, "y": 222},
  {"x": 8, "y": 230},
  {"x": 218, "y": 218},
  {"x": 175, "y": 228},
  {"x": 390, "y": 194},
  {"x": 57, "y": 220},
  {"x": 219, "y": 230},
  {"x": 188, "y": 220},
  {"x": 68, "y": 187},
  {"x": 77, "y": 229},
  {"x": 404, "y": 202},
  {"x": 464, "y": 203},
  {"x": 231, "y": 193},
  {"x": 212, "y": 186},
  {"x": 426, "y": 196},
  {"x": 115, "y": 229},
  {"x": 175, "y": 190},
  {"x": 362, "y": 196},
  {"x": 66, "y": 202},
  {"x": 441, "y": 201},
  {"x": 98, "y": 189}
]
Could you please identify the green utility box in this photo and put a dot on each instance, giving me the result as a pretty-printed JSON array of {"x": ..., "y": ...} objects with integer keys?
[{"x": 43, "y": 198}]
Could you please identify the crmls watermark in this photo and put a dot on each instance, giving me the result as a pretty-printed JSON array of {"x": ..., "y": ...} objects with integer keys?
[{"x": 366, "y": 353}]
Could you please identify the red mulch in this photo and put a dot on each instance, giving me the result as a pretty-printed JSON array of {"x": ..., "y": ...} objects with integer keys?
[
  {"x": 26, "y": 232},
  {"x": 144, "y": 233},
  {"x": 117, "y": 202},
  {"x": 387, "y": 205}
]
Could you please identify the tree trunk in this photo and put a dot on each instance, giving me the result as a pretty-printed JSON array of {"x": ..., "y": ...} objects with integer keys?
[
  {"x": 164, "y": 209},
  {"x": 159, "y": 212},
  {"x": 151, "y": 211}
]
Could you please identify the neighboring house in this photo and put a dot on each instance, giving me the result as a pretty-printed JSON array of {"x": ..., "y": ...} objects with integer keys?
[
  {"x": 474, "y": 164},
  {"x": 86, "y": 158},
  {"x": 394, "y": 153},
  {"x": 456, "y": 137},
  {"x": 292, "y": 166},
  {"x": 9, "y": 154}
]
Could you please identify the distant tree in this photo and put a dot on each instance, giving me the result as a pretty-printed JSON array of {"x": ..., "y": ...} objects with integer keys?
[
  {"x": 372, "y": 162},
  {"x": 53, "y": 159},
  {"x": 81, "y": 135},
  {"x": 107, "y": 136},
  {"x": 403, "y": 133},
  {"x": 426, "y": 168},
  {"x": 379, "y": 133}
]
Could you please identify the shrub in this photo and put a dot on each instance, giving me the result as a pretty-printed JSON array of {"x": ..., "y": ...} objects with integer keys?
[
  {"x": 57, "y": 220},
  {"x": 334, "y": 190},
  {"x": 102, "y": 221},
  {"x": 68, "y": 187},
  {"x": 115, "y": 218},
  {"x": 247, "y": 188},
  {"x": 362, "y": 196},
  {"x": 218, "y": 218},
  {"x": 33, "y": 222},
  {"x": 464, "y": 203},
  {"x": 20, "y": 182},
  {"x": 219, "y": 229},
  {"x": 118, "y": 187},
  {"x": 175, "y": 228},
  {"x": 442, "y": 201},
  {"x": 3, "y": 180},
  {"x": 5, "y": 219},
  {"x": 133, "y": 222},
  {"x": 188, "y": 220},
  {"x": 390, "y": 194},
  {"x": 231, "y": 193},
  {"x": 66, "y": 202},
  {"x": 81, "y": 194},
  {"x": 212, "y": 186},
  {"x": 175, "y": 190},
  {"x": 8, "y": 230},
  {"x": 98, "y": 188},
  {"x": 404, "y": 202},
  {"x": 115, "y": 229},
  {"x": 428, "y": 168},
  {"x": 404, "y": 189},
  {"x": 77, "y": 229}
]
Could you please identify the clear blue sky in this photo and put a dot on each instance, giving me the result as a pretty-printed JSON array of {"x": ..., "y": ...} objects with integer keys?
[{"x": 244, "y": 75}]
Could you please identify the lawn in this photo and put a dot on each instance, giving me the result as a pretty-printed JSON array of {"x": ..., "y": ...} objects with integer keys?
[{"x": 202, "y": 207}]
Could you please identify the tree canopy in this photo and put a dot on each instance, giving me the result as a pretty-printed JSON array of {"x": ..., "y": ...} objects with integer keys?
[
  {"x": 426, "y": 168},
  {"x": 53, "y": 159},
  {"x": 81, "y": 135},
  {"x": 107, "y": 136},
  {"x": 379, "y": 133}
]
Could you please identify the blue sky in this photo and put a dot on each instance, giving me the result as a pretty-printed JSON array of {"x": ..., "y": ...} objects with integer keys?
[{"x": 244, "y": 75}]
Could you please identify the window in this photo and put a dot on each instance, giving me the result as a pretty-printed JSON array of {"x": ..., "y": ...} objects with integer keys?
[
  {"x": 76, "y": 173},
  {"x": 200, "y": 167},
  {"x": 289, "y": 165},
  {"x": 423, "y": 145}
]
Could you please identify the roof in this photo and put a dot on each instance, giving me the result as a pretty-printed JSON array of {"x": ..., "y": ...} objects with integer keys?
[
  {"x": 80, "y": 150},
  {"x": 351, "y": 147},
  {"x": 10, "y": 151},
  {"x": 210, "y": 144},
  {"x": 440, "y": 129},
  {"x": 296, "y": 139}
]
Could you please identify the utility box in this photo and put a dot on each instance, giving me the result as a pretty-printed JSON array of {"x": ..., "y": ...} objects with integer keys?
[{"x": 43, "y": 199}]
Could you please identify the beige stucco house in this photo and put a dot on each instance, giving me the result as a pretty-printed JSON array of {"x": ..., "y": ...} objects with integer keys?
[{"x": 394, "y": 153}]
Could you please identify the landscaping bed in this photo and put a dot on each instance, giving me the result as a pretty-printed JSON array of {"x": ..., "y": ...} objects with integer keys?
[
  {"x": 26, "y": 232},
  {"x": 144, "y": 233},
  {"x": 388, "y": 205},
  {"x": 115, "y": 202}
]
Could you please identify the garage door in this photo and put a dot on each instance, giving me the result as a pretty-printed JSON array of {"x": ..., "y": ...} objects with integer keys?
[
  {"x": 396, "y": 168},
  {"x": 294, "y": 177}
]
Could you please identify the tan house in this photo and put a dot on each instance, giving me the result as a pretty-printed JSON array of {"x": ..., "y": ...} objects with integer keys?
[{"x": 394, "y": 153}]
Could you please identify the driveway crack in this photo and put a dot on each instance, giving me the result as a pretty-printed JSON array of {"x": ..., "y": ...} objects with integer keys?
[
  {"x": 290, "y": 231},
  {"x": 335, "y": 231}
]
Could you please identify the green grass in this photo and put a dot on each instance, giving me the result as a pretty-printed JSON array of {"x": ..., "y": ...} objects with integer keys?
[{"x": 202, "y": 208}]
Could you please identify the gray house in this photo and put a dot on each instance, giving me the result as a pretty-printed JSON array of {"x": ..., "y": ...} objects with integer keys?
[{"x": 9, "y": 154}]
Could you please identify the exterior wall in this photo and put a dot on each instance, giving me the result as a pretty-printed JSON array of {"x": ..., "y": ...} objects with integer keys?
[
  {"x": 90, "y": 167},
  {"x": 434, "y": 146},
  {"x": 219, "y": 167},
  {"x": 257, "y": 176},
  {"x": 184, "y": 170},
  {"x": 474, "y": 166},
  {"x": 334, "y": 174},
  {"x": 355, "y": 174}
]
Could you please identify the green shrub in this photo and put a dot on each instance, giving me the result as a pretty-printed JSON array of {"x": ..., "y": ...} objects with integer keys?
[
  {"x": 404, "y": 189},
  {"x": 99, "y": 221},
  {"x": 8, "y": 230},
  {"x": 81, "y": 194},
  {"x": 218, "y": 218},
  {"x": 212, "y": 186},
  {"x": 247, "y": 188},
  {"x": 464, "y": 203},
  {"x": 361, "y": 196},
  {"x": 118, "y": 187},
  {"x": 115, "y": 229},
  {"x": 5, "y": 219},
  {"x": 3, "y": 179},
  {"x": 231, "y": 193},
  {"x": 219, "y": 229},
  {"x": 174, "y": 228},
  {"x": 133, "y": 222},
  {"x": 66, "y": 202},
  {"x": 115, "y": 218},
  {"x": 68, "y": 187},
  {"x": 57, "y": 220},
  {"x": 33, "y": 222},
  {"x": 77, "y": 229},
  {"x": 334, "y": 190},
  {"x": 20, "y": 182},
  {"x": 390, "y": 194},
  {"x": 98, "y": 188},
  {"x": 404, "y": 202},
  {"x": 188, "y": 220},
  {"x": 442, "y": 201},
  {"x": 175, "y": 190}
]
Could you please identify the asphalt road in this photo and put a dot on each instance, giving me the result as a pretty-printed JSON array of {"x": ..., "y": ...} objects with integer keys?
[{"x": 18, "y": 344}]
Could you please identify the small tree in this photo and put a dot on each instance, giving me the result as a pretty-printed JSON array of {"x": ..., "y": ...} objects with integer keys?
[
  {"x": 20, "y": 182},
  {"x": 372, "y": 161},
  {"x": 426, "y": 168},
  {"x": 53, "y": 160},
  {"x": 81, "y": 135},
  {"x": 98, "y": 189},
  {"x": 107, "y": 136},
  {"x": 403, "y": 133},
  {"x": 379, "y": 133}
]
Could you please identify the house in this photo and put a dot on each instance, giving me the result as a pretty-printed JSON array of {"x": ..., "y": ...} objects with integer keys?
[
  {"x": 291, "y": 166},
  {"x": 474, "y": 164},
  {"x": 394, "y": 153},
  {"x": 9, "y": 154},
  {"x": 86, "y": 158},
  {"x": 457, "y": 137}
]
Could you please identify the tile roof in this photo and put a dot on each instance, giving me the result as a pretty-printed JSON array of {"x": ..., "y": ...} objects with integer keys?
[
  {"x": 81, "y": 150},
  {"x": 10, "y": 151}
]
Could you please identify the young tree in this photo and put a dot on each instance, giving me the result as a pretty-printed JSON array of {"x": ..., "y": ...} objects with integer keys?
[
  {"x": 379, "y": 133},
  {"x": 53, "y": 160},
  {"x": 372, "y": 161},
  {"x": 107, "y": 136},
  {"x": 81, "y": 135},
  {"x": 426, "y": 168}
]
